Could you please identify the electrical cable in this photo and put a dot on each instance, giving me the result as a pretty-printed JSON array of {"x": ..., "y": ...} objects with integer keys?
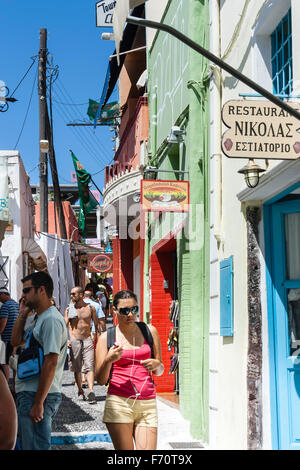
[
  {"x": 93, "y": 148},
  {"x": 71, "y": 104},
  {"x": 66, "y": 93},
  {"x": 93, "y": 174},
  {"x": 33, "y": 59},
  {"x": 85, "y": 145},
  {"x": 77, "y": 132},
  {"x": 27, "y": 111}
]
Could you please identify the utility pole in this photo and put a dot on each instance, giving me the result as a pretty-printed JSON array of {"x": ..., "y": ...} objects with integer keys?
[
  {"x": 58, "y": 208},
  {"x": 43, "y": 131}
]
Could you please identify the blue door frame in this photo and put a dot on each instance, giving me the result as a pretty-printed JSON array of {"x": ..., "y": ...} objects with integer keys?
[{"x": 282, "y": 423}]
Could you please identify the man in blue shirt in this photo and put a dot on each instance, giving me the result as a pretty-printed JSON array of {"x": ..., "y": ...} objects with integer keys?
[
  {"x": 39, "y": 397},
  {"x": 98, "y": 307},
  {"x": 8, "y": 315}
]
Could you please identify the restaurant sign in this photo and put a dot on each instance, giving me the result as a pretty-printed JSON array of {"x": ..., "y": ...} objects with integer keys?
[
  {"x": 99, "y": 263},
  {"x": 260, "y": 129},
  {"x": 165, "y": 196}
]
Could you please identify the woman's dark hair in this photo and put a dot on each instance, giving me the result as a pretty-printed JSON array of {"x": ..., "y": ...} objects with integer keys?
[
  {"x": 39, "y": 279},
  {"x": 123, "y": 294}
]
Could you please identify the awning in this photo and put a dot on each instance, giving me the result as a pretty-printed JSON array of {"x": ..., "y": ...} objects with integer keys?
[
  {"x": 113, "y": 69},
  {"x": 35, "y": 252},
  {"x": 121, "y": 12},
  {"x": 3, "y": 225}
]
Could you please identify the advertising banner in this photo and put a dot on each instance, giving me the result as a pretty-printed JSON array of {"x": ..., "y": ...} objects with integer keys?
[
  {"x": 165, "y": 196},
  {"x": 4, "y": 198}
]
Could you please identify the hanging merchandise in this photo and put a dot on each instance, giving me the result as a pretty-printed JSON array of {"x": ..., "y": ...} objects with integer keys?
[
  {"x": 174, "y": 363},
  {"x": 172, "y": 338},
  {"x": 174, "y": 311}
]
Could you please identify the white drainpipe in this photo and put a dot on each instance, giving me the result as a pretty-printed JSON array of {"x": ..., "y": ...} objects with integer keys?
[{"x": 217, "y": 132}]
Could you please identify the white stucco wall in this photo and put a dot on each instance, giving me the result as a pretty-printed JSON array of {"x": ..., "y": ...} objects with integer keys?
[
  {"x": 154, "y": 10},
  {"x": 248, "y": 50},
  {"x": 20, "y": 202}
]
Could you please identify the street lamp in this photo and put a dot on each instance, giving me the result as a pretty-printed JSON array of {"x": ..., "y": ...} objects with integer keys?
[
  {"x": 150, "y": 173},
  {"x": 251, "y": 173},
  {"x": 5, "y": 99},
  {"x": 176, "y": 135}
]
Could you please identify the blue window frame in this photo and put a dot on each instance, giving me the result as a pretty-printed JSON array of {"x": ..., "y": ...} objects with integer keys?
[{"x": 282, "y": 64}]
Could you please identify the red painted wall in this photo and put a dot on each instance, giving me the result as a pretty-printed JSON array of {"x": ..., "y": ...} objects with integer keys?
[
  {"x": 162, "y": 268},
  {"x": 122, "y": 264}
]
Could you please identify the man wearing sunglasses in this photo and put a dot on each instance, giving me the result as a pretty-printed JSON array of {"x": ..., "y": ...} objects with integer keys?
[
  {"x": 82, "y": 352},
  {"x": 39, "y": 397}
]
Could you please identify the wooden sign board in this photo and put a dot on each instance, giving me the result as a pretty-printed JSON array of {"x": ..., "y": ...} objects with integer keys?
[
  {"x": 165, "y": 196},
  {"x": 260, "y": 129}
]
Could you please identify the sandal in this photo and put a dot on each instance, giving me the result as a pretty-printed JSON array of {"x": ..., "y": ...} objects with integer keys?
[{"x": 81, "y": 394}]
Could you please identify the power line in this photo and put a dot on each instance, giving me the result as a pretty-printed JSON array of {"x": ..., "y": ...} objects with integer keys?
[
  {"x": 77, "y": 133},
  {"x": 27, "y": 111},
  {"x": 71, "y": 104},
  {"x": 87, "y": 143},
  {"x": 33, "y": 59},
  {"x": 93, "y": 174},
  {"x": 66, "y": 93}
]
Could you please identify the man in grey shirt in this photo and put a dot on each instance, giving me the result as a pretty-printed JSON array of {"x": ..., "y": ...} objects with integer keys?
[{"x": 38, "y": 398}]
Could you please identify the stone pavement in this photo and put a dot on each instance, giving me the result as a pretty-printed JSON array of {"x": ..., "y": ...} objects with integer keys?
[{"x": 78, "y": 424}]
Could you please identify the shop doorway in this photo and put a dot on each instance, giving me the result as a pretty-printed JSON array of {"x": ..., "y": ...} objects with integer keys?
[
  {"x": 163, "y": 292},
  {"x": 284, "y": 322}
]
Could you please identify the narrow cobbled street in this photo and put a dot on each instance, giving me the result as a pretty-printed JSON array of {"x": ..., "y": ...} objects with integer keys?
[{"x": 78, "y": 424}]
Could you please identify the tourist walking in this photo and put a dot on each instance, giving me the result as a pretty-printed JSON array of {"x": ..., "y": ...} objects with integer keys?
[
  {"x": 99, "y": 311},
  {"x": 8, "y": 415},
  {"x": 78, "y": 318},
  {"x": 102, "y": 300},
  {"x": 8, "y": 315},
  {"x": 39, "y": 396},
  {"x": 130, "y": 410}
]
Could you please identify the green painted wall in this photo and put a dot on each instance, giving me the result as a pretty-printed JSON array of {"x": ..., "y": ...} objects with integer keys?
[{"x": 181, "y": 98}]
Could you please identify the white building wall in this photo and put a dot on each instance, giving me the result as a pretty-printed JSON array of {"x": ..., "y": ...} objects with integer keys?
[
  {"x": 154, "y": 10},
  {"x": 245, "y": 28},
  {"x": 20, "y": 202}
]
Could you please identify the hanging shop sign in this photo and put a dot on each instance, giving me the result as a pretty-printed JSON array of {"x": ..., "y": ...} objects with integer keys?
[
  {"x": 83, "y": 260},
  {"x": 4, "y": 197},
  {"x": 99, "y": 263},
  {"x": 165, "y": 196},
  {"x": 260, "y": 129},
  {"x": 104, "y": 13}
]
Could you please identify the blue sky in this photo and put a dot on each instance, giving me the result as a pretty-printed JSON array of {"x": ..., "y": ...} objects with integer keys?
[{"x": 75, "y": 43}]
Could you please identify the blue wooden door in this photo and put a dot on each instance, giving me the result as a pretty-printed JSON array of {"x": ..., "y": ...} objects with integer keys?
[{"x": 286, "y": 320}]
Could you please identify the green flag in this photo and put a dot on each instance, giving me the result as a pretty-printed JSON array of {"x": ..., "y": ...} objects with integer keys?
[
  {"x": 87, "y": 200},
  {"x": 108, "y": 114}
]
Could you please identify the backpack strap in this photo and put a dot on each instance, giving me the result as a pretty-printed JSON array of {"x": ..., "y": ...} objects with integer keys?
[
  {"x": 111, "y": 338},
  {"x": 147, "y": 335}
]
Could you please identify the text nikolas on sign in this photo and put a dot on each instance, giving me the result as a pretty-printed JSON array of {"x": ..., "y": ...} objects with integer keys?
[{"x": 260, "y": 129}]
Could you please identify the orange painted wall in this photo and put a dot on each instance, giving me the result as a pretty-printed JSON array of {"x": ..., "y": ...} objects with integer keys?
[
  {"x": 136, "y": 131},
  {"x": 70, "y": 220}
]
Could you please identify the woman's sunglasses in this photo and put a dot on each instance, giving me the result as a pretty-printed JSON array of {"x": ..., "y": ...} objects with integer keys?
[{"x": 126, "y": 310}]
